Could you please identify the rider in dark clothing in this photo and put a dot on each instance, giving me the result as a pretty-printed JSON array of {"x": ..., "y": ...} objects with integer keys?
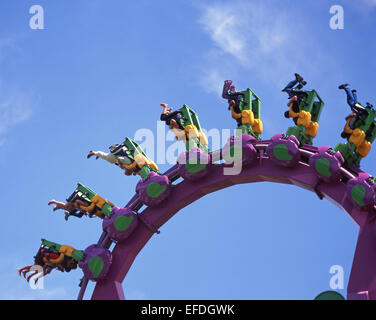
[
  {"x": 294, "y": 88},
  {"x": 358, "y": 110},
  {"x": 291, "y": 89},
  {"x": 229, "y": 92},
  {"x": 172, "y": 119},
  {"x": 352, "y": 100}
]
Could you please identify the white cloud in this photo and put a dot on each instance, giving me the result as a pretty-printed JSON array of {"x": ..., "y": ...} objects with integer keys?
[
  {"x": 222, "y": 27},
  {"x": 365, "y": 7},
  {"x": 268, "y": 42},
  {"x": 5, "y": 44},
  {"x": 371, "y": 3},
  {"x": 212, "y": 81},
  {"x": 14, "y": 109},
  {"x": 14, "y": 287},
  {"x": 15, "y": 104}
]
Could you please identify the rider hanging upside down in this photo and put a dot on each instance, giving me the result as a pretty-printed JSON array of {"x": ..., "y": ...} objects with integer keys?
[
  {"x": 296, "y": 94},
  {"x": 234, "y": 98},
  {"x": 358, "y": 111},
  {"x": 245, "y": 109}
]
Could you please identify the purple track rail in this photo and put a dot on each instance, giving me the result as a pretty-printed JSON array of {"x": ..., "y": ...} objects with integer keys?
[{"x": 362, "y": 282}]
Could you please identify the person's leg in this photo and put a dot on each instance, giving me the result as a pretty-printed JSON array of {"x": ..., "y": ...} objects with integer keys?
[
  {"x": 351, "y": 100},
  {"x": 290, "y": 88},
  {"x": 290, "y": 85}
]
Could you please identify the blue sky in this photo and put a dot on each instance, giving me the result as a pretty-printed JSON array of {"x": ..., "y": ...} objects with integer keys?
[{"x": 98, "y": 72}]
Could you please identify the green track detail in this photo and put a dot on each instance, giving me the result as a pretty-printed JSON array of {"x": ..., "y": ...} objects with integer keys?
[
  {"x": 106, "y": 209},
  {"x": 281, "y": 152},
  {"x": 357, "y": 193},
  {"x": 330, "y": 295},
  {"x": 154, "y": 190},
  {"x": 194, "y": 167},
  {"x": 322, "y": 166},
  {"x": 96, "y": 266},
  {"x": 122, "y": 223},
  {"x": 78, "y": 255}
]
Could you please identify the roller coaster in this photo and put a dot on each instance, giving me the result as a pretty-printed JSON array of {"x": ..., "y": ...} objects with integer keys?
[{"x": 287, "y": 158}]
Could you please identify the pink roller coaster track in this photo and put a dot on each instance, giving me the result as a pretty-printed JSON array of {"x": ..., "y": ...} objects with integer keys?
[{"x": 362, "y": 282}]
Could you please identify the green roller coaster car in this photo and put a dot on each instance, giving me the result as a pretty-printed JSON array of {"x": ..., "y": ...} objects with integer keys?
[
  {"x": 305, "y": 109},
  {"x": 360, "y": 132},
  {"x": 245, "y": 109}
]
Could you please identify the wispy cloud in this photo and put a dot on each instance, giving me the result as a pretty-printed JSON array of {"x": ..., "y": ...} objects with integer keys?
[
  {"x": 14, "y": 109},
  {"x": 15, "y": 104},
  {"x": 5, "y": 44},
  {"x": 260, "y": 38},
  {"x": 13, "y": 287},
  {"x": 24, "y": 292},
  {"x": 365, "y": 7},
  {"x": 240, "y": 30},
  {"x": 371, "y": 3},
  {"x": 223, "y": 27},
  {"x": 212, "y": 80}
]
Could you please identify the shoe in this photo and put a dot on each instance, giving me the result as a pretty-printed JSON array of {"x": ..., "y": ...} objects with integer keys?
[
  {"x": 343, "y": 86},
  {"x": 299, "y": 78}
]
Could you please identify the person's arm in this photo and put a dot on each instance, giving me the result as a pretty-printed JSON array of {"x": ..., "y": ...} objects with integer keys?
[
  {"x": 227, "y": 89},
  {"x": 165, "y": 108}
]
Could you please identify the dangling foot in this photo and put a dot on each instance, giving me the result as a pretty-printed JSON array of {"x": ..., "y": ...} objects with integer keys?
[
  {"x": 92, "y": 153},
  {"x": 343, "y": 86},
  {"x": 299, "y": 78}
]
